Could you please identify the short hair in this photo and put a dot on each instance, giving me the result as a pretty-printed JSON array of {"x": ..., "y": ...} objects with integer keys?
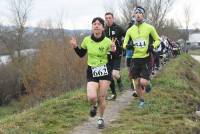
[
  {"x": 109, "y": 13},
  {"x": 99, "y": 19}
]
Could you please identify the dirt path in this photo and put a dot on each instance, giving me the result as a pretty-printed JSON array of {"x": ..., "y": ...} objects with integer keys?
[
  {"x": 111, "y": 114},
  {"x": 196, "y": 57}
]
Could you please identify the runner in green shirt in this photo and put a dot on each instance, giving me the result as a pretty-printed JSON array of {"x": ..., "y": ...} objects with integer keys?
[
  {"x": 140, "y": 34},
  {"x": 97, "y": 46}
]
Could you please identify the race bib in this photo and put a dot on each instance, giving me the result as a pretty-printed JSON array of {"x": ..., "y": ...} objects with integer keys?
[
  {"x": 100, "y": 71},
  {"x": 113, "y": 32},
  {"x": 139, "y": 43}
]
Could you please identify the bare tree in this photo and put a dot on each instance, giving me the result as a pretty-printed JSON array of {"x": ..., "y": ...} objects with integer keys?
[
  {"x": 12, "y": 37},
  {"x": 187, "y": 15},
  {"x": 155, "y": 10},
  {"x": 20, "y": 9},
  {"x": 171, "y": 30},
  {"x": 60, "y": 26},
  {"x": 7, "y": 39},
  {"x": 124, "y": 12}
]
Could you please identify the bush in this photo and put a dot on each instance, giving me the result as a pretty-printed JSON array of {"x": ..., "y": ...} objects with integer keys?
[
  {"x": 56, "y": 69},
  {"x": 8, "y": 83}
]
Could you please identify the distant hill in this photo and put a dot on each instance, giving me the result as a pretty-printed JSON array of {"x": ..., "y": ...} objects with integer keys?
[{"x": 34, "y": 35}]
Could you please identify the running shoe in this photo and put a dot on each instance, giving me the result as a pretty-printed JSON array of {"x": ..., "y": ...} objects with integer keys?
[
  {"x": 100, "y": 123},
  {"x": 141, "y": 104},
  {"x": 148, "y": 87},
  {"x": 135, "y": 94},
  {"x": 93, "y": 111},
  {"x": 112, "y": 97}
]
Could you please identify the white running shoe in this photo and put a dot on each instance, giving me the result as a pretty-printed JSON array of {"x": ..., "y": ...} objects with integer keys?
[{"x": 100, "y": 123}]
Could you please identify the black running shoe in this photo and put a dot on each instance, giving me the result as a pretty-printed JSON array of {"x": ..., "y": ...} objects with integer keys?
[
  {"x": 152, "y": 72},
  {"x": 93, "y": 111},
  {"x": 100, "y": 123},
  {"x": 148, "y": 87},
  {"x": 135, "y": 94},
  {"x": 156, "y": 68}
]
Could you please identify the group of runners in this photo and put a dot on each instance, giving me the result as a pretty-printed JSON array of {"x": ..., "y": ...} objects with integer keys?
[{"x": 105, "y": 48}]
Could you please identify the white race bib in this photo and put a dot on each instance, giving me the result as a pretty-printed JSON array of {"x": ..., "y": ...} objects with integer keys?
[
  {"x": 139, "y": 43},
  {"x": 100, "y": 71},
  {"x": 113, "y": 32}
]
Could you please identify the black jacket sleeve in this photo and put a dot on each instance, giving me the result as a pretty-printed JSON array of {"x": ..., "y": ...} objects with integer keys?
[
  {"x": 122, "y": 32},
  {"x": 80, "y": 51}
]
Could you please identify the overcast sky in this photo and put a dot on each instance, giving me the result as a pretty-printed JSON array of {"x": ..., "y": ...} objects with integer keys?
[
  {"x": 79, "y": 13},
  {"x": 177, "y": 12}
]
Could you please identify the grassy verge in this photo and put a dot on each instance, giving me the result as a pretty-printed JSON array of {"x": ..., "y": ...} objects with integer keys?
[
  {"x": 170, "y": 107},
  {"x": 58, "y": 115},
  {"x": 8, "y": 110}
]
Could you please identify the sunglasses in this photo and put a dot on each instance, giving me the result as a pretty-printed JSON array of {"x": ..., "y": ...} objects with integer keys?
[{"x": 138, "y": 12}]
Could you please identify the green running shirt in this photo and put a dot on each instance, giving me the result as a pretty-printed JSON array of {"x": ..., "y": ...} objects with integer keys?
[
  {"x": 96, "y": 51},
  {"x": 140, "y": 36}
]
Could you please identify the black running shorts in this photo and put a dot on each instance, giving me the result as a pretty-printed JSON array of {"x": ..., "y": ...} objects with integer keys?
[
  {"x": 96, "y": 74},
  {"x": 115, "y": 63},
  {"x": 140, "y": 68}
]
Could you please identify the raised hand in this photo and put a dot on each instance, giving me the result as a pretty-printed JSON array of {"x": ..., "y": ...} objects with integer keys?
[{"x": 73, "y": 42}]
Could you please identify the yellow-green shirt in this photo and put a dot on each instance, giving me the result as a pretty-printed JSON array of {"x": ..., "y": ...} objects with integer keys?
[
  {"x": 96, "y": 51},
  {"x": 140, "y": 37}
]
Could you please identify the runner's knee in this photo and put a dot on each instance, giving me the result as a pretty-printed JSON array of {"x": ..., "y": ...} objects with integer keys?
[
  {"x": 116, "y": 74},
  {"x": 92, "y": 97},
  {"x": 143, "y": 82}
]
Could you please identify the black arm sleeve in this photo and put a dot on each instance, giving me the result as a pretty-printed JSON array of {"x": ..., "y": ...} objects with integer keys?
[
  {"x": 80, "y": 51},
  {"x": 162, "y": 46},
  {"x": 109, "y": 56},
  {"x": 123, "y": 32}
]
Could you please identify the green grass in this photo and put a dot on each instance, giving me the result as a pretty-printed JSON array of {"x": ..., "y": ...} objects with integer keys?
[
  {"x": 9, "y": 109},
  {"x": 58, "y": 115},
  {"x": 170, "y": 107}
]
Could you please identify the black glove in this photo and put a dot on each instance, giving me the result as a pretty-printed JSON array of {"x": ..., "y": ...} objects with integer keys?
[
  {"x": 124, "y": 53},
  {"x": 129, "y": 46},
  {"x": 150, "y": 48}
]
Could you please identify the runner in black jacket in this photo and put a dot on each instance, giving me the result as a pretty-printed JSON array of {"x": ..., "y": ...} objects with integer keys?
[{"x": 113, "y": 30}]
